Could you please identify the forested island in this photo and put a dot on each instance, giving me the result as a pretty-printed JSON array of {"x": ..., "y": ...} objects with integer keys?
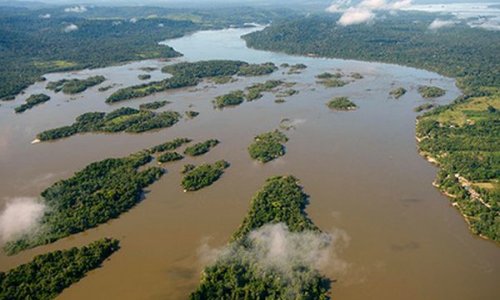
[
  {"x": 31, "y": 102},
  {"x": 124, "y": 119},
  {"x": 170, "y": 145},
  {"x": 197, "y": 177},
  {"x": 232, "y": 98},
  {"x": 47, "y": 275},
  {"x": 74, "y": 86},
  {"x": 255, "y": 91},
  {"x": 398, "y": 92},
  {"x": 341, "y": 103},
  {"x": 153, "y": 105},
  {"x": 449, "y": 135},
  {"x": 186, "y": 74},
  {"x": 169, "y": 156},
  {"x": 239, "y": 276},
  {"x": 425, "y": 106},
  {"x": 431, "y": 91},
  {"x": 100, "y": 192},
  {"x": 201, "y": 148},
  {"x": 268, "y": 146}
]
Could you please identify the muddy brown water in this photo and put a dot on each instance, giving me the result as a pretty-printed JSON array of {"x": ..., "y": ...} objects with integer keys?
[{"x": 360, "y": 168}]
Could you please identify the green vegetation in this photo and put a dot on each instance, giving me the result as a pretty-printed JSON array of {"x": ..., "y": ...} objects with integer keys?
[
  {"x": 255, "y": 91},
  {"x": 287, "y": 93},
  {"x": 32, "y": 46},
  {"x": 463, "y": 138},
  {"x": 74, "y": 86},
  {"x": 268, "y": 146},
  {"x": 297, "y": 68},
  {"x": 469, "y": 54},
  {"x": 201, "y": 148},
  {"x": 223, "y": 79},
  {"x": 328, "y": 75},
  {"x": 431, "y": 91},
  {"x": 398, "y": 92},
  {"x": 47, "y": 275},
  {"x": 100, "y": 192},
  {"x": 203, "y": 175},
  {"x": 32, "y": 101},
  {"x": 230, "y": 99},
  {"x": 191, "y": 114},
  {"x": 187, "y": 168},
  {"x": 169, "y": 156},
  {"x": 187, "y": 74},
  {"x": 281, "y": 200},
  {"x": 123, "y": 119},
  {"x": 279, "y": 100},
  {"x": 105, "y": 88},
  {"x": 341, "y": 103},
  {"x": 170, "y": 145},
  {"x": 144, "y": 76},
  {"x": 332, "y": 82},
  {"x": 422, "y": 107},
  {"x": 153, "y": 105},
  {"x": 257, "y": 69}
]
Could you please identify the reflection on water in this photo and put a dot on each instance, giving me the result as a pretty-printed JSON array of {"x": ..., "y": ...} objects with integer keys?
[{"x": 360, "y": 168}]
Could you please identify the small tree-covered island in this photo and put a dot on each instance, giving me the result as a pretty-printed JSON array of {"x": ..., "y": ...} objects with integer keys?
[
  {"x": 197, "y": 177},
  {"x": 341, "y": 104},
  {"x": 124, "y": 119},
  {"x": 242, "y": 274},
  {"x": 268, "y": 146},
  {"x": 75, "y": 86},
  {"x": 31, "y": 102},
  {"x": 431, "y": 91}
]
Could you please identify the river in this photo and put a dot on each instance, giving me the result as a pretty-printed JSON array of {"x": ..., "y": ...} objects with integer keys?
[{"x": 403, "y": 239}]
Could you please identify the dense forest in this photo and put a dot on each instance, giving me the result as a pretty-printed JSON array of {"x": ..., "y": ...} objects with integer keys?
[
  {"x": 463, "y": 138},
  {"x": 201, "y": 147},
  {"x": 153, "y": 105},
  {"x": 469, "y": 54},
  {"x": 281, "y": 200},
  {"x": 123, "y": 119},
  {"x": 31, "y": 102},
  {"x": 32, "y": 45},
  {"x": 101, "y": 191},
  {"x": 47, "y": 275},
  {"x": 341, "y": 103},
  {"x": 268, "y": 146},
  {"x": 187, "y": 74},
  {"x": 197, "y": 177}
]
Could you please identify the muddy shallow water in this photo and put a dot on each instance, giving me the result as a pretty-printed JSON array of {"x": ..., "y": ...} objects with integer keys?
[{"x": 360, "y": 168}]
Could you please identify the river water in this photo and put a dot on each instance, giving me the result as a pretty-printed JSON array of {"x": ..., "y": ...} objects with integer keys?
[{"x": 403, "y": 239}]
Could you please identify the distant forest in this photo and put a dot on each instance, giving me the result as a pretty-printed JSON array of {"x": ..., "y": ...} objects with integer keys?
[{"x": 35, "y": 42}]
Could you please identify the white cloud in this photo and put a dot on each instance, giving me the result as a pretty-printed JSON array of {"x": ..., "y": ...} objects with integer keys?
[
  {"x": 20, "y": 216},
  {"x": 356, "y": 15},
  {"x": 45, "y": 16},
  {"x": 70, "y": 28},
  {"x": 133, "y": 20},
  {"x": 76, "y": 9},
  {"x": 364, "y": 11},
  {"x": 273, "y": 247},
  {"x": 438, "y": 23}
]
